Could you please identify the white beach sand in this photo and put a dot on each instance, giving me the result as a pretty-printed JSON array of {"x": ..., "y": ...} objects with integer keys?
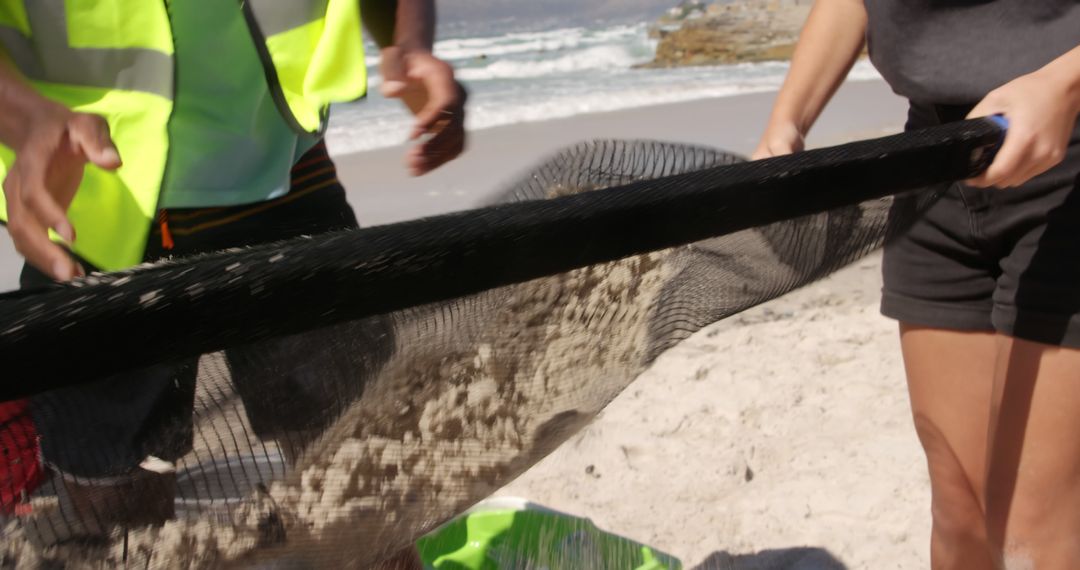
[{"x": 777, "y": 439}]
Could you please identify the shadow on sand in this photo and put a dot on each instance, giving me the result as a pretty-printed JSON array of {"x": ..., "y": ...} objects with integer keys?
[{"x": 802, "y": 558}]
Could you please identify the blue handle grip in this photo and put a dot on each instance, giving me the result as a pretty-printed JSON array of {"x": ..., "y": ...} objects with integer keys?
[
  {"x": 1001, "y": 122},
  {"x": 982, "y": 157}
]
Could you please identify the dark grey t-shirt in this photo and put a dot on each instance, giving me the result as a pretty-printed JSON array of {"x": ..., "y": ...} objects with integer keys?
[{"x": 957, "y": 51}]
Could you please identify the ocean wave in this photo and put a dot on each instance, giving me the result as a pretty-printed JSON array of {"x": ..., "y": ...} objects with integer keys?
[
  {"x": 603, "y": 57},
  {"x": 463, "y": 49},
  {"x": 468, "y": 54}
]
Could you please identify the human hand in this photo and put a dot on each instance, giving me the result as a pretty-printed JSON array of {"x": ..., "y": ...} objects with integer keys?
[
  {"x": 779, "y": 139},
  {"x": 426, "y": 85},
  {"x": 1042, "y": 114},
  {"x": 49, "y": 161}
]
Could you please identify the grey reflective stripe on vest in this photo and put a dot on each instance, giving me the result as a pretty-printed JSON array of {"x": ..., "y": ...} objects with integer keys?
[
  {"x": 47, "y": 56},
  {"x": 276, "y": 16}
]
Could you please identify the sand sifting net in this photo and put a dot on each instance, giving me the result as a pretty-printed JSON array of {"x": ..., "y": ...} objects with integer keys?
[{"x": 323, "y": 402}]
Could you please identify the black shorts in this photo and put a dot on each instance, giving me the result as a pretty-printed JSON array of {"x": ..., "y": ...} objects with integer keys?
[
  {"x": 989, "y": 259},
  {"x": 105, "y": 429}
]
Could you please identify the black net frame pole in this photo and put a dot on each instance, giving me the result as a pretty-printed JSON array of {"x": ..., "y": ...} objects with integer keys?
[{"x": 83, "y": 331}]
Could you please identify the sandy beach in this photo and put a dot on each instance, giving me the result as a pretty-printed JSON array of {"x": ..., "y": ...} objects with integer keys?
[{"x": 777, "y": 439}]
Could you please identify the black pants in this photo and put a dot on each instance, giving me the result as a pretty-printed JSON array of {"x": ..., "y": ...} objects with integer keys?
[{"x": 288, "y": 385}]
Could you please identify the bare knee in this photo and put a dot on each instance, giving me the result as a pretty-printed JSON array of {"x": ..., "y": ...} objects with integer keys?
[
  {"x": 956, "y": 495},
  {"x": 957, "y": 516}
]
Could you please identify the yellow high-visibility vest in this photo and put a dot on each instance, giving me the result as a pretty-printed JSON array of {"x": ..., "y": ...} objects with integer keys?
[{"x": 114, "y": 58}]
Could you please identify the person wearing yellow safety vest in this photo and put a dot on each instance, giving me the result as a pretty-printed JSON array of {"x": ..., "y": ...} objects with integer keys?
[{"x": 137, "y": 130}]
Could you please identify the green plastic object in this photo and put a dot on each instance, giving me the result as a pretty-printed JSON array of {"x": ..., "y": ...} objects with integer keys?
[{"x": 513, "y": 534}]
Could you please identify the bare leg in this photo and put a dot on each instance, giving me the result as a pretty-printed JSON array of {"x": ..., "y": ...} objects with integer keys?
[
  {"x": 950, "y": 380},
  {"x": 1033, "y": 477}
]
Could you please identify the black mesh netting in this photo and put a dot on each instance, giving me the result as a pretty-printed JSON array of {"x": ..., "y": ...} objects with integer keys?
[{"x": 325, "y": 401}]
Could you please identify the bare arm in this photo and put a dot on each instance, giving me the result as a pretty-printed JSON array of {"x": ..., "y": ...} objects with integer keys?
[
  {"x": 415, "y": 27},
  {"x": 1068, "y": 66},
  {"x": 409, "y": 24},
  {"x": 830, "y": 42},
  {"x": 423, "y": 82}
]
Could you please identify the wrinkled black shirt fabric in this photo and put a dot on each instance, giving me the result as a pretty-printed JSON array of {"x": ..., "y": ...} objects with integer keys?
[{"x": 957, "y": 51}]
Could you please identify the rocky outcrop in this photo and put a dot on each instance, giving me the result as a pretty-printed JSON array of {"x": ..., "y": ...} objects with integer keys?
[{"x": 746, "y": 31}]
